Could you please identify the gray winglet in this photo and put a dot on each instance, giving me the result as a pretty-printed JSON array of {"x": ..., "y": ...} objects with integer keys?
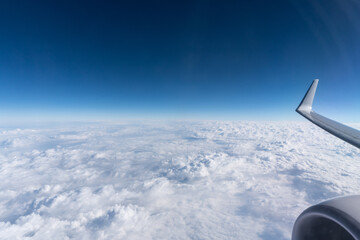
[
  {"x": 306, "y": 103},
  {"x": 339, "y": 130}
]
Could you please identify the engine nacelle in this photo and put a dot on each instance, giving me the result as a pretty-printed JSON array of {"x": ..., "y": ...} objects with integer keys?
[{"x": 338, "y": 218}]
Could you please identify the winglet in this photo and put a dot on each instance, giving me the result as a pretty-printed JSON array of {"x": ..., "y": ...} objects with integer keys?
[{"x": 306, "y": 103}]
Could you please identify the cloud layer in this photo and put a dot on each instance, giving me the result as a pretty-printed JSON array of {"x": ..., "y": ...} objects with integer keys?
[{"x": 168, "y": 180}]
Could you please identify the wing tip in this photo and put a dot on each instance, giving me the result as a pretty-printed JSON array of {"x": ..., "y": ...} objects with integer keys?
[{"x": 307, "y": 101}]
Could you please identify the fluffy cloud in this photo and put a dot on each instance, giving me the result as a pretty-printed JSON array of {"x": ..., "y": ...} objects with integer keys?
[{"x": 168, "y": 180}]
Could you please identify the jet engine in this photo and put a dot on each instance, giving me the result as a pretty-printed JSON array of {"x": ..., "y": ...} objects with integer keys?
[{"x": 338, "y": 218}]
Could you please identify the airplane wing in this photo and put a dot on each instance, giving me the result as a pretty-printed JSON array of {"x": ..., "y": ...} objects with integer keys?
[
  {"x": 339, "y": 130},
  {"x": 337, "y": 218}
]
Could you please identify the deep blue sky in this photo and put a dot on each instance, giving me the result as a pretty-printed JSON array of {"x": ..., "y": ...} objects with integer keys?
[{"x": 250, "y": 60}]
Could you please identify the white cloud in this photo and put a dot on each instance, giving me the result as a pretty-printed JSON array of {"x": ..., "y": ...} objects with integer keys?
[{"x": 168, "y": 180}]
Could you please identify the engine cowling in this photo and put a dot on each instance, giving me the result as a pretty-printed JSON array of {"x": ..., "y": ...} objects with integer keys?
[{"x": 338, "y": 218}]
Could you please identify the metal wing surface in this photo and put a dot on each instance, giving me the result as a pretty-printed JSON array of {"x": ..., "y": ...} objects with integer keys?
[{"x": 337, "y": 129}]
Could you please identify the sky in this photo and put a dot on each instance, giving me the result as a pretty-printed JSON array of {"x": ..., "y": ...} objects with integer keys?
[{"x": 238, "y": 60}]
